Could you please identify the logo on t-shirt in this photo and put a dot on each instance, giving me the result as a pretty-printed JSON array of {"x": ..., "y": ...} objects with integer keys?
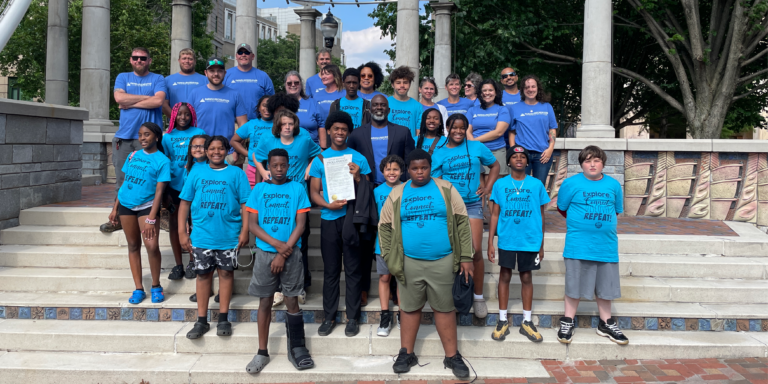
[
  {"x": 132, "y": 84},
  {"x": 532, "y": 113},
  {"x": 599, "y": 207},
  {"x": 245, "y": 81},
  {"x": 516, "y": 205},
  {"x": 214, "y": 100}
]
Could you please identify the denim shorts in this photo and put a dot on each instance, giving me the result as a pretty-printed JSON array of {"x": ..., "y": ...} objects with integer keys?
[{"x": 475, "y": 210}]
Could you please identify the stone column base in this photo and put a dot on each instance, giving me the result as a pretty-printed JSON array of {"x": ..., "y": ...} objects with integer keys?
[{"x": 596, "y": 131}]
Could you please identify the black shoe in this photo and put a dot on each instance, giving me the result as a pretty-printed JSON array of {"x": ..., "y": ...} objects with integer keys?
[
  {"x": 352, "y": 329},
  {"x": 198, "y": 330},
  {"x": 456, "y": 364},
  {"x": 190, "y": 273},
  {"x": 193, "y": 298},
  {"x": 567, "y": 329},
  {"x": 109, "y": 227},
  {"x": 405, "y": 361},
  {"x": 611, "y": 330},
  {"x": 326, "y": 327},
  {"x": 224, "y": 328},
  {"x": 216, "y": 299},
  {"x": 177, "y": 273}
]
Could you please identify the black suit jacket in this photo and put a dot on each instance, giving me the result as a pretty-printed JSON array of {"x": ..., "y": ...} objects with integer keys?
[{"x": 399, "y": 142}]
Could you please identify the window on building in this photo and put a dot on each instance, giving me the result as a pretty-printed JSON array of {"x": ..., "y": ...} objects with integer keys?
[
  {"x": 262, "y": 32},
  {"x": 216, "y": 25},
  {"x": 14, "y": 91},
  {"x": 229, "y": 24}
]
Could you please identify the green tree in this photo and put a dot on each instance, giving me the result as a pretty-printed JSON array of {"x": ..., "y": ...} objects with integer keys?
[{"x": 278, "y": 57}]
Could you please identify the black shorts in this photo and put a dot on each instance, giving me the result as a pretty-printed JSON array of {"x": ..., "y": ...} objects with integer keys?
[
  {"x": 173, "y": 195},
  {"x": 526, "y": 261},
  {"x": 125, "y": 211}
]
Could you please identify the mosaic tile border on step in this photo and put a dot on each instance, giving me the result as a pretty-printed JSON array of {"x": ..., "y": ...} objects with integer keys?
[{"x": 372, "y": 317}]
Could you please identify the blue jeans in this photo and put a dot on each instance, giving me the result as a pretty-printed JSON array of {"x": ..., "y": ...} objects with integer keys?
[{"x": 538, "y": 169}]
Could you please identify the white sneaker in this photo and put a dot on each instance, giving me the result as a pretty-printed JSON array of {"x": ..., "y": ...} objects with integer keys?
[
  {"x": 278, "y": 299},
  {"x": 303, "y": 297},
  {"x": 385, "y": 325}
]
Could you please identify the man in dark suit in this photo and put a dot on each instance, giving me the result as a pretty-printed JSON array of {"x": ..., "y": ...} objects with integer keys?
[{"x": 376, "y": 141}]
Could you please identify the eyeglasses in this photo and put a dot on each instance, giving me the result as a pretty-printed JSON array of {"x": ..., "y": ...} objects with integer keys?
[
  {"x": 367, "y": 76},
  {"x": 243, "y": 52},
  {"x": 468, "y": 85},
  {"x": 292, "y": 83},
  {"x": 510, "y": 74},
  {"x": 197, "y": 146},
  {"x": 139, "y": 58}
]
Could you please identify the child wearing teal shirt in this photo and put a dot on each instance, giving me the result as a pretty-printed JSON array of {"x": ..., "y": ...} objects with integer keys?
[
  {"x": 403, "y": 109},
  {"x": 251, "y": 131},
  {"x": 287, "y": 135}
]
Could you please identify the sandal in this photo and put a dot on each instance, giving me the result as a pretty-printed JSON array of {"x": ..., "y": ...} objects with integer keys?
[
  {"x": 157, "y": 295},
  {"x": 257, "y": 364},
  {"x": 224, "y": 329},
  {"x": 137, "y": 297},
  {"x": 198, "y": 330}
]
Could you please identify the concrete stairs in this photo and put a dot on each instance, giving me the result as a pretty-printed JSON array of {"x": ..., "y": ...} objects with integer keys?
[{"x": 57, "y": 258}]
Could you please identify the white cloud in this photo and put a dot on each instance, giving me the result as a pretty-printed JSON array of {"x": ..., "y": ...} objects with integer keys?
[{"x": 366, "y": 45}]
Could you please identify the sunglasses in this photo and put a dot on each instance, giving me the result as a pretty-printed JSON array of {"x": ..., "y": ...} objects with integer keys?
[
  {"x": 468, "y": 86},
  {"x": 510, "y": 74},
  {"x": 215, "y": 62},
  {"x": 292, "y": 83},
  {"x": 243, "y": 52},
  {"x": 367, "y": 76},
  {"x": 139, "y": 58}
]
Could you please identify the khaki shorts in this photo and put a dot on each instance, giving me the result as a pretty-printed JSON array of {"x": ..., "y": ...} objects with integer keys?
[
  {"x": 501, "y": 156},
  {"x": 427, "y": 280}
]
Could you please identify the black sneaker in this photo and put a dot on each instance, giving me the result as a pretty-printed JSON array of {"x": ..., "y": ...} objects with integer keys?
[
  {"x": 198, "y": 330},
  {"x": 177, "y": 273},
  {"x": 611, "y": 330},
  {"x": 456, "y": 364},
  {"x": 567, "y": 329},
  {"x": 190, "y": 273},
  {"x": 404, "y": 361},
  {"x": 326, "y": 327},
  {"x": 352, "y": 329}
]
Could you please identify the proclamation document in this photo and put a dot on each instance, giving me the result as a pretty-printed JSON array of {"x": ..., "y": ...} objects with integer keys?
[{"x": 340, "y": 183}]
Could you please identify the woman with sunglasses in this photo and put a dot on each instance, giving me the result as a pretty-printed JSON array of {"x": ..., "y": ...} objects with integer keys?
[
  {"x": 471, "y": 86},
  {"x": 311, "y": 116},
  {"x": 428, "y": 91},
  {"x": 371, "y": 78}
]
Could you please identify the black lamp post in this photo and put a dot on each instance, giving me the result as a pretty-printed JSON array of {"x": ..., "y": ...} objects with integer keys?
[{"x": 329, "y": 26}]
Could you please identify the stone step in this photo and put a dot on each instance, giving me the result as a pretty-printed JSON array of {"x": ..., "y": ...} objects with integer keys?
[
  {"x": 85, "y": 368},
  {"x": 546, "y": 287},
  {"x": 474, "y": 342}
]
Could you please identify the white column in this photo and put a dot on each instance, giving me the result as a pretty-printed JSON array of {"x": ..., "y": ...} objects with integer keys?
[
  {"x": 94, "y": 66},
  {"x": 596, "y": 71},
  {"x": 57, "y": 54},
  {"x": 247, "y": 30},
  {"x": 181, "y": 31},
  {"x": 443, "y": 11},
  {"x": 407, "y": 40},
  {"x": 308, "y": 16}
]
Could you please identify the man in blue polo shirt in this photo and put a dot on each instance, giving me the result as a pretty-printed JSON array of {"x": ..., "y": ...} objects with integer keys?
[
  {"x": 322, "y": 58},
  {"x": 181, "y": 84},
  {"x": 218, "y": 107},
  {"x": 251, "y": 83}
]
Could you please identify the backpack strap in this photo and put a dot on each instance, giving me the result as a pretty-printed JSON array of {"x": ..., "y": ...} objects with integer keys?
[
  {"x": 434, "y": 144},
  {"x": 130, "y": 157}
]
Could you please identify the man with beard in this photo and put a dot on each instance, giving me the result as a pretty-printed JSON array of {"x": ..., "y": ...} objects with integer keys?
[
  {"x": 218, "y": 107},
  {"x": 181, "y": 84},
  {"x": 139, "y": 95},
  {"x": 376, "y": 141}
]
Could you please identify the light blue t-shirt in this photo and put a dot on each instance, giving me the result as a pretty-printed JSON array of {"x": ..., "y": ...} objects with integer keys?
[
  {"x": 300, "y": 151},
  {"x": 484, "y": 121},
  {"x": 354, "y": 108},
  {"x": 216, "y": 110},
  {"x": 252, "y": 131},
  {"x": 131, "y": 119},
  {"x": 509, "y": 100},
  {"x": 428, "y": 143},
  {"x": 176, "y": 147},
  {"x": 311, "y": 117},
  {"x": 462, "y": 106},
  {"x": 592, "y": 207},
  {"x": 424, "y": 218},
  {"x": 180, "y": 86},
  {"x": 369, "y": 96},
  {"x": 215, "y": 196},
  {"x": 519, "y": 226},
  {"x": 142, "y": 173},
  {"x": 277, "y": 207},
  {"x": 531, "y": 124},
  {"x": 318, "y": 171},
  {"x": 251, "y": 86},
  {"x": 379, "y": 142},
  {"x": 405, "y": 113},
  {"x": 452, "y": 164},
  {"x": 325, "y": 99},
  {"x": 380, "y": 194},
  {"x": 313, "y": 84}
]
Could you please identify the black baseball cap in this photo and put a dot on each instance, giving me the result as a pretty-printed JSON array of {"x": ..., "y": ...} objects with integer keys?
[
  {"x": 214, "y": 61},
  {"x": 517, "y": 149}
]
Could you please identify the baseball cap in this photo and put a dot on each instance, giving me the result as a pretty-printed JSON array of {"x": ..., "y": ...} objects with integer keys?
[
  {"x": 517, "y": 149},
  {"x": 246, "y": 46},
  {"x": 214, "y": 61}
]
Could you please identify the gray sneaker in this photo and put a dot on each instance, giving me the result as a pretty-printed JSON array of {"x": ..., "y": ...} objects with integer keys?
[{"x": 481, "y": 309}]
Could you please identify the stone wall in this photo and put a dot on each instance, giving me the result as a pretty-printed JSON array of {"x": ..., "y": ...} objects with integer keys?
[{"x": 40, "y": 156}]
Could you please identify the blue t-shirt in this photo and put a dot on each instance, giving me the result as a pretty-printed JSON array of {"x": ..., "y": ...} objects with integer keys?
[
  {"x": 428, "y": 143},
  {"x": 451, "y": 164},
  {"x": 216, "y": 110},
  {"x": 369, "y": 96},
  {"x": 299, "y": 153},
  {"x": 407, "y": 114},
  {"x": 354, "y": 108},
  {"x": 380, "y": 194},
  {"x": 176, "y": 147},
  {"x": 180, "y": 86},
  {"x": 131, "y": 119},
  {"x": 318, "y": 171},
  {"x": 251, "y": 86},
  {"x": 484, "y": 121},
  {"x": 531, "y": 124},
  {"x": 519, "y": 226},
  {"x": 277, "y": 207},
  {"x": 509, "y": 100},
  {"x": 462, "y": 106},
  {"x": 252, "y": 131},
  {"x": 592, "y": 207},
  {"x": 313, "y": 84},
  {"x": 325, "y": 99},
  {"x": 215, "y": 196},
  {"x": 379, "y": 142},
  {"x": 424, "y": 217},
  {"x": 311, "y": 116},
  {"x": 142, "y": 173}
]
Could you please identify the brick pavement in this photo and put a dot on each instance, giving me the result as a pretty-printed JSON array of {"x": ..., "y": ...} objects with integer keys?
[{"x": 104, "y": 196}]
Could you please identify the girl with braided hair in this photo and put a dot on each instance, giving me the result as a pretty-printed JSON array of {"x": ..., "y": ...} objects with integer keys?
[{"x": 175, "y": 144}]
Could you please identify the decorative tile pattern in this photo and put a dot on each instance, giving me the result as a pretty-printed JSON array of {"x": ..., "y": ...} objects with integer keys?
[
  {"x": 25, "y": 313},
  {"x": 153, "y": 314},
  {"x": 545, "y": 321},
  {"x": 704, "y": 325},
  {"x": 37, "y": 312},
  {"x": 11, "y": 312},
  {"x": 2, "y": 312},
  {"x": 75, "y": 313},
  {"x": 62, "y": 314},
  {"x": 308, "y": 316},
  {"x": 126, "y": 314},
  {"x": 190, "y": 315},
  {"x": 165, "y": 314},
  {"x": 113, "y": 313},
  {"x": 177, "y": 315},
  {"x": 517, "y": 320},
  {"x": 50, "y": 313},
  {"x": 139, "y": 314},
  {"x": 651, "y": 323},
  {"x": 664, "y": 323}
]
